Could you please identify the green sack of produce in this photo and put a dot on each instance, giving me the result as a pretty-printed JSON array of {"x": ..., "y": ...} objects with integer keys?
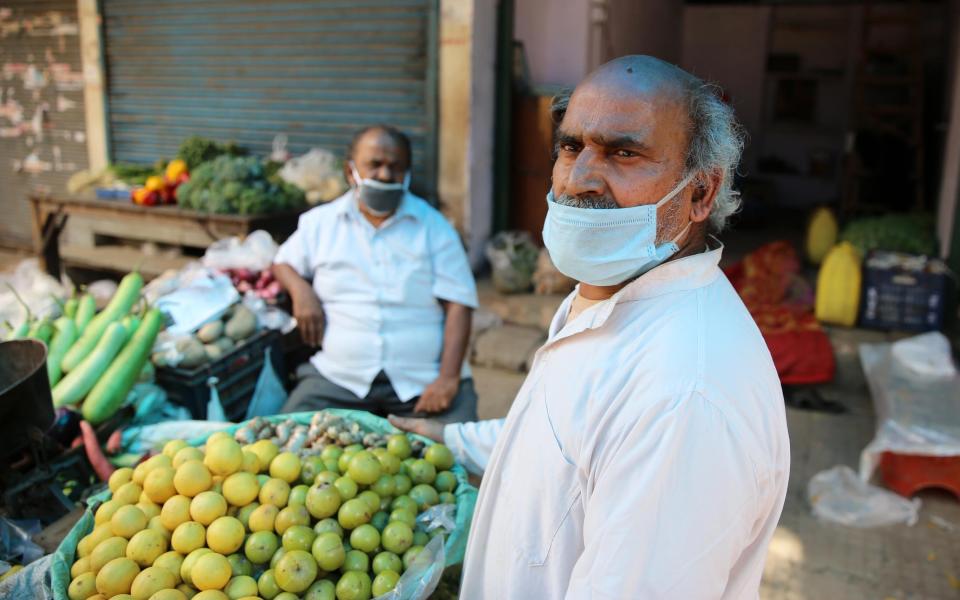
[
  {"x": 386, "y": 511},
  {"x": 913, "y": 234}
]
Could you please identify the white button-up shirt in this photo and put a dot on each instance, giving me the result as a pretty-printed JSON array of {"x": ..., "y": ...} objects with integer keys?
[
  {"x": 380, "y": 289},
  {"x": 645, "y": 457}
]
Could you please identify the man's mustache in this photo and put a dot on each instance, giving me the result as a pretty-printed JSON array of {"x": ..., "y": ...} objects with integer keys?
[{"x": 586, "y": 201}]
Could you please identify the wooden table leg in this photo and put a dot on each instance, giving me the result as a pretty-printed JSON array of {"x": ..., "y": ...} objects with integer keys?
[{"x": 47, "y": 228}]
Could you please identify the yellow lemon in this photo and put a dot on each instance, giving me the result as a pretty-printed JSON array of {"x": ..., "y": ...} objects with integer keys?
[
  {"x": 192, "y": 478},
  {"x": 127, "y": 521},
  {"x": 128, "y": 493},
  {"x": 185, "y": 455},
  {"x": 146, "y": 546},
  {"x": 171, "y": 561},
  {"x": 116, "y": 577},
  {"x": 240, "y": 489},
  {"x": 119, "y": 477},
  {"x": 225, "y": 535},
  {"x": 175, "y": 510},
  {"x": 158, "y": 486},
  {"x": 223, "y": 456},
  {"x": 188, "y": 536},
  {"x": 172, "y": 447},
  {"x": 82, "y": 587},
  {"x": 150, "y": 581},
  {"x": 107, "y": 550},
  {"x": 211, "y": 572},
  {"x": 207, "y": 507}
]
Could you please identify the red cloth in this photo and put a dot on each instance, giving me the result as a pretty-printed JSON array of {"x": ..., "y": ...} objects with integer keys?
[{"x": 768, "y": 281}]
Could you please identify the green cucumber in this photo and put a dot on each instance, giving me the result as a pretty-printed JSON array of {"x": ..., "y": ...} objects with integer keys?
[
  {"x": 127, "y": 294},
  {"x": 42, "y": 330},
  {"x": 21, "y": 331},
  {"x": 65, "y": 336},
  {"x": 86, "y": 309},
  {"x": 81, "y": 380},
  {"x": 109, "y": 393},
  {"x": 70, "y": 307},
  {"x": 130, "y": 323}
]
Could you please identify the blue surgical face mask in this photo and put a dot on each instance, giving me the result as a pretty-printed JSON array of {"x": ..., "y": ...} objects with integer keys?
[
  {"x": 607, "y": 246},
  {"x": 380, "y": 198}
]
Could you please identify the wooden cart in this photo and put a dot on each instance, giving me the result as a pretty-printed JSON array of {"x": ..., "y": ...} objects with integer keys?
[{"x": 126, "y": 227}]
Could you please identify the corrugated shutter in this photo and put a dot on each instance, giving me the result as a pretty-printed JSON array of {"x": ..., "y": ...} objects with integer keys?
[
  {"x": 42, "y": 137},
  {"x": 246, "y": 70}
]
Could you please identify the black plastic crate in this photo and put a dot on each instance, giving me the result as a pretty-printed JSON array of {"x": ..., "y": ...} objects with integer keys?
[
  {"x": 234, "y": 375},
  {"x": 904, "y": 292}
]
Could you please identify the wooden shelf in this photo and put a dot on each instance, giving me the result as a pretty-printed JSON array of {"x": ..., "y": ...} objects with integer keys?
[{"x": 121, "y": 259}]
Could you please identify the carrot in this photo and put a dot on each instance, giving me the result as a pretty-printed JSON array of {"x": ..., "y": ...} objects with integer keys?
[{"x": 101, "y": 466}]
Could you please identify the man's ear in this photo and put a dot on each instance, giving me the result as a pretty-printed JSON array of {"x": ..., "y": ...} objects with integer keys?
[
  {"x": 348, "y": 174},
  {"x": 701, "y": 202}
]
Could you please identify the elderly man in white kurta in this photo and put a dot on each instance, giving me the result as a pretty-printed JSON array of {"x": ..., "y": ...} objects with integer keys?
[{"x": 646, "y": 455}]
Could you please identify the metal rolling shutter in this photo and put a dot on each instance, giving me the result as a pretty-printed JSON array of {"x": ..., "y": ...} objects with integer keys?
[{"x": 315, "y": 70}]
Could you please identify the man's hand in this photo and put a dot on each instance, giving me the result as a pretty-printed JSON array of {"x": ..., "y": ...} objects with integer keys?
[
  {"x": 438, "y": 395},
  {"x": 428, "y": 428},
  {"x": 309, "y": 314}
]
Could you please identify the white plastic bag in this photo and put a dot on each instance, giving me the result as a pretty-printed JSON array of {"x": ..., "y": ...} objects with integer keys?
[
  {"x": 927, "y": 355},
  {"x": 917, "y": 413},
  {"x": 317, "y": 173},
  {"x": 838, "y": 495},
  {"x": 35, "y": 287},
  {"x": 255, "y": 252}
]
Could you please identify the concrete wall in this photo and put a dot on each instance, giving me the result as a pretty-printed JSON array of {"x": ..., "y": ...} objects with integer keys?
[
  {"x": 728, "y": 45},
  {"x": 555, "y": 34},
  {"x": 466, "y": 80},
  {"x": 653, "y": 27}
]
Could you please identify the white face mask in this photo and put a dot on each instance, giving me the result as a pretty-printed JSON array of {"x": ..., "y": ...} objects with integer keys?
[
  {"x": 380, "y": 198},
  {"x": 607, "y": 246}
]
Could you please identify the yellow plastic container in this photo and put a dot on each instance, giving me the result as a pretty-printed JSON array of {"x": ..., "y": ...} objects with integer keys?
[{"x": 838, "y": 286}]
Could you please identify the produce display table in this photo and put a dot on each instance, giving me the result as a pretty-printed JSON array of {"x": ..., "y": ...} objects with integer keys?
[{"x": 123, "y": 221}]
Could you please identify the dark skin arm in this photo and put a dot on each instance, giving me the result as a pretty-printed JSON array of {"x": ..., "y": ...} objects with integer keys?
[
  {"x": 456, "y": 336},
  {"x": 306, "y": 305}
]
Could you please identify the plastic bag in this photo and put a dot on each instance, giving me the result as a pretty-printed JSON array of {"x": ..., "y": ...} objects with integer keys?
[
  {"x": 423, "y": 576},
  {"x": 255, "y": 252},
  {"x": 927, "y": 355},
  {"x": 513, "y": 257},
  {"x": 16, "y": 541},
  {"x": 269, "y": 395},
  {"x": 838, "y": 495},
  {"x": 35, "y": 287},
  {"x": 318, "y": 173},
  {"x": 916, "y": 413}
]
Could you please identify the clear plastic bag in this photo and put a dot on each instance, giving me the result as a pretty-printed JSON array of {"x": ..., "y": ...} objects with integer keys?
[
  {"x": 423, "y": 576},
  {"x": 839, "y": 496},
  {"x": 917, "y": 413},
  {"x": 254, "y": 252},
  {"x": 16, "y": 543},
  {"x": 318, "y": 173}
]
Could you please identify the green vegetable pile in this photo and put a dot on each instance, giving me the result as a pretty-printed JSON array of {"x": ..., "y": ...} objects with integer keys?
[
  {"x": 94, "y": 359},
  {"x": 913, "y": 234},
  {"x": 196, "y": 150},
  {"x": 238, "y": 185}
]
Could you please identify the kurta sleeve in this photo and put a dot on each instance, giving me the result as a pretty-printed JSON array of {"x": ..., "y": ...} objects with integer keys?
[
  {"x": 295, "y": 252},
  {"x": 472, "y": 442},
  {"x": 452, "y": 278},
  {"x": 671, "y": 508}
]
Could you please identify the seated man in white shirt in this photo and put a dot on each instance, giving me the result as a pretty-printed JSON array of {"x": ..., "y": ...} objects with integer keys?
[
  {"x": 646, "y": 455},
  {"x": 381, "y": 284}
]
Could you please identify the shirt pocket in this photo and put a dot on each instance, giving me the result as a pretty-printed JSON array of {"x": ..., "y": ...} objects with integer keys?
[{"x": 545, "y": 490}]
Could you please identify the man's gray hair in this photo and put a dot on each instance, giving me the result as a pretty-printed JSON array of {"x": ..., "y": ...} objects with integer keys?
[{"x": 716, "y": 142}]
